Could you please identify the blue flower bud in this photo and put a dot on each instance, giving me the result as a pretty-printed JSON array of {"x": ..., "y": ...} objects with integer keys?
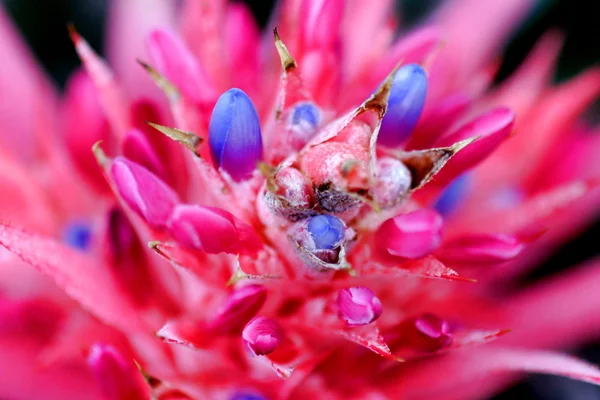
[
  {"x": 234, "y": 134},
  {"x": 306, "y": 114},
  {"x": 327, "y": 231},
  {"x": 407, "y": 98},
  {"x": 77, "y": 235},
  {"x": 247, "y": 396},
  {"x": 452, "y": 195}
]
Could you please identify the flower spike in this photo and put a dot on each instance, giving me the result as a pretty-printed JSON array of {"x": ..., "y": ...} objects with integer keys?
[{"x": 234, "y": 135}]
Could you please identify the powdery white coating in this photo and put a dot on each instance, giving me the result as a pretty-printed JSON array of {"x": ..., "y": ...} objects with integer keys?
[
  {"x": 392, "y": 181},
  {"x": 294, "y": 187}
]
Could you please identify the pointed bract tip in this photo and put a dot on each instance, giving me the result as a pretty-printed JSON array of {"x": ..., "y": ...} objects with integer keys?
[
  {"x": 73, "y": 34},
  {"x": 458, "y": 146},
  {"x": 100, "y": 155},
  {"x": 188, "y": 139},
  {"x": 378, "y": 102},
  {"x": 287, "y": 61},
  {"x": 159, "y": 80}
]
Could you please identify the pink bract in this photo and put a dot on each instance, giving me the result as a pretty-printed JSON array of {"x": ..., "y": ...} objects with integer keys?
[{"x": 156, "y": 274}]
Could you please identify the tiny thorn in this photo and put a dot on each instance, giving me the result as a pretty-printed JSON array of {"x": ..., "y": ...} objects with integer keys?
[
  {"x": 237, "y": 276},
  {"x": 100, "y": 155},
  {"x": 287, "y": 61},
  {"x": 268, "y": 172},
  {"x": 188, "y": 139},
  {"x": 153, "y": 244},
  {"x": 163, "y": 83},
  {"x": 458, "y": 146},
  {"x": 379, "y": 100}
]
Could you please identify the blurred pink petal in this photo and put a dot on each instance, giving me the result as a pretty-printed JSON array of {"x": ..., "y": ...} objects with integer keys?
[
  {"x": 129, "y": 24},
  {"x": 17, "y": 119},
  {"x": 118, "y": 378}
]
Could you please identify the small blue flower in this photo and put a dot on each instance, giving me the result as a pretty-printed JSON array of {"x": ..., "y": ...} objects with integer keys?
[
  {"x": 407, "y": 98},
  {"x": 77, "y": 235},
  {"x": 451, "y": 197},
  {"x": 306, "y": 114},
  {"x": 246, "y": 396},
  {"x": 327, "y": 231},
  {"x": 234, "y": 134}
]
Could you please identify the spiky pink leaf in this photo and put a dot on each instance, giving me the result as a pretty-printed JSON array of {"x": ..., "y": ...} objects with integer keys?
[
  {"x": 479, "y": 363},
  {"x": 111, "y": 96},
  {"x": 80, "y": 277}
]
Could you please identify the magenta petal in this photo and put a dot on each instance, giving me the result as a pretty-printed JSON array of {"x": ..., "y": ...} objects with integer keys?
[
  {"x": 243, "y": 54},
  {"x": 86, "y": 124},
  {"x": 482, "y": 248},
  {"x": 118, "y": 379},
  {"x": 411, "y": 235},
  {"x": 174, "y": 60},
  {"x": 143, "y": 191},
  {"x": 128, "y": 25},
  {"x": 211, "y": 230},
  {"x": 491, "y": 128},
  {"x": 358, "y": 306},
  {"x": 239, "y": 307},
  {"x": 137, "y": 148},
  {"x": 321, "y": 20},
  {"x": 262, "y": 335}
]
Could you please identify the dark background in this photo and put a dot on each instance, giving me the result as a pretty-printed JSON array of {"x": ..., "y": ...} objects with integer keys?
[{"x": 43, "y": 23}]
